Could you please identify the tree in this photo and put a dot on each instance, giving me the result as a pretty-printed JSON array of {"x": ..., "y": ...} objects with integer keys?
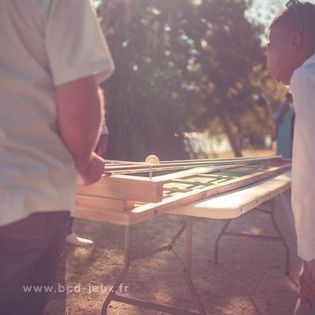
[
  {"x": 180, "y": 65},
  {"x": 145, "y": 106}
]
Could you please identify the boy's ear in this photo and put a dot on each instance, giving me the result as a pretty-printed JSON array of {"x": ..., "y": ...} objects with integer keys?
[{"x": 296, "y": 40}]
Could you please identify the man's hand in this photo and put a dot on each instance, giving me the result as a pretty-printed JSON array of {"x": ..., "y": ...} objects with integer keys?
[
  {"x": 307, "y": 284},
  {"x": 90, "y": 171}
]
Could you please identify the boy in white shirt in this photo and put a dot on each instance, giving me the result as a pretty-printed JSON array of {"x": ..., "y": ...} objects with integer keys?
[{"x": 291, "y": 60}]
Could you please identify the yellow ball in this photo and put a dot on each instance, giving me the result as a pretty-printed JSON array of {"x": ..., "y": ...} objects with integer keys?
[{"x": 152, "y": 159}]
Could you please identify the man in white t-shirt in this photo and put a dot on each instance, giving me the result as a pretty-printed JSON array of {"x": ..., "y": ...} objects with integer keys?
[
  {"x": 291, "y": 60},
  {"x": 52, "y": 58}
]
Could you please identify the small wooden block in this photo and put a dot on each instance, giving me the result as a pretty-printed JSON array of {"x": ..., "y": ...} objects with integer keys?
[
  {"x": 103, "y": 209},
  {"x": 124, "y": 187},
  {"x": 113, "y": 217},
  {"x": 101, "y": 203}
]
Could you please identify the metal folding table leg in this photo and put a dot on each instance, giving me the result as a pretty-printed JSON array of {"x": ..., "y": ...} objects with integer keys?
[
  {"x": 278, "y": 238},
  {"x": 122, "y": 274},
  {"x": 217, "y": 240},
  {"x": 281, "y": 238},
  {"x": 188, "y": 254},
  {"x": 114, "y": 296}
]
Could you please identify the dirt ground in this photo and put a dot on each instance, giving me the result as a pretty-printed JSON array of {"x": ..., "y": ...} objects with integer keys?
[{"x": 249, "y": 280}]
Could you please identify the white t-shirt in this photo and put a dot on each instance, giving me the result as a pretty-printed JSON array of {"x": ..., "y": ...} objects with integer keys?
[
  {"x": 302, "y": 87},
  {"x": 44, "y": 43}
]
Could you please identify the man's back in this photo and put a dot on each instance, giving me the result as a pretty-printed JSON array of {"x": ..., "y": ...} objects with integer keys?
[{"x": 37, "y": 171}]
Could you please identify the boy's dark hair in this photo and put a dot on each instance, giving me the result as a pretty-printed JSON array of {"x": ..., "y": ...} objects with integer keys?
[{"x": 299, "y": 16}]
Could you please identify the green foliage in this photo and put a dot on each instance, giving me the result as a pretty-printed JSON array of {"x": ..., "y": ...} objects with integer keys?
[{"x": 181, "y": 65}]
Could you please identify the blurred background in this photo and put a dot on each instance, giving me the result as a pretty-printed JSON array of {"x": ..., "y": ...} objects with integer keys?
[{"x": 190, "y": 79}]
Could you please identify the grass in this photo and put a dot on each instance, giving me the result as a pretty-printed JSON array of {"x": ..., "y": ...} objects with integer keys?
[{"x": 248, "y": 281}]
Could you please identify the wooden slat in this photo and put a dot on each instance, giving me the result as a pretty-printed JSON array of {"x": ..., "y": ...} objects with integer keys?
[
  {"x": 192, "y": 172},
  {"x": 191, "y": 182},
  {"x": 216, "y": 176},
  {"x": 149, "y": 210},
  {"x": 177, "y": 189},
  {"x": 257, "y": 159},
  {"x": 83, "y": 201},
  {"x": 235, "y": 203},
  {"x": 108, "y": 216},
  {"x": 124, "y": 187}
]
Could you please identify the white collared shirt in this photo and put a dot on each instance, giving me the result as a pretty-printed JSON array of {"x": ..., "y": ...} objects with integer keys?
[
  {"x": 302, "y": 87},
  {"x": 44, "y": 43}
]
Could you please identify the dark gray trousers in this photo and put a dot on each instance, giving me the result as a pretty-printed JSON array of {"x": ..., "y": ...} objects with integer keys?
[{"x": 29, "y": 253}]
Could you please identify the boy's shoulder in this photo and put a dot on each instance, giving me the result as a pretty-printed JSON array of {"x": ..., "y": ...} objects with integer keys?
[{"x": 305, "y": 72}]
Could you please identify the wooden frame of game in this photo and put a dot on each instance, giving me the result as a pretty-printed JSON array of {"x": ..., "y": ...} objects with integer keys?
[{"x": 124, "y": 199}]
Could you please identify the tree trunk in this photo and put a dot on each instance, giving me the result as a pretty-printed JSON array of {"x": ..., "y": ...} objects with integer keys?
[{"x": 228, "y": 131}]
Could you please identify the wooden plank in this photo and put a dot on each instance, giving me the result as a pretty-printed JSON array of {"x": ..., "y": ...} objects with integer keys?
[
  {"x": 192, "y": 172},
  {"x": 124, "y": 187},
  {"x": 191, "y": 182},
  {"x": 216, "y": 176},
  {"x": 99, "y": 215},
  {"x": 177, "y": 189},
  {"x": 257, "y": 159},
  {"x": 83, "y": 201},
  {"x": 233, "y": 204},
  {"x": 149, "y": 210}
]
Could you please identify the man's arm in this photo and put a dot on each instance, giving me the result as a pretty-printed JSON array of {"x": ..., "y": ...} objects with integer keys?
[{"x": 79, "y": 113}]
